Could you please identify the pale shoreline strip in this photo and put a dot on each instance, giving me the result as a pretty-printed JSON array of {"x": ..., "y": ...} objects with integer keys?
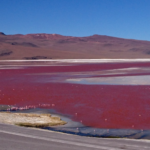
[{"x": 80, "y": 60}]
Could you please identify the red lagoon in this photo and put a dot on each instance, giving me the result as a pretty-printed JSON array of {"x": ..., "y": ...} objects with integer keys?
[{"x": 124, "y": 105}]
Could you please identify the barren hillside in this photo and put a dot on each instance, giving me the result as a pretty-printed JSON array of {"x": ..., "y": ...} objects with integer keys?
[{"x": 54, "y": 46}]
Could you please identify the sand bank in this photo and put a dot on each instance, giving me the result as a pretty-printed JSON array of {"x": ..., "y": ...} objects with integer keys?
[{"x": 30, "y": 120}]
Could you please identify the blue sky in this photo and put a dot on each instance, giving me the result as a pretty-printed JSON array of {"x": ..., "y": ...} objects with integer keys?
[{"x": 119, "y": 18}]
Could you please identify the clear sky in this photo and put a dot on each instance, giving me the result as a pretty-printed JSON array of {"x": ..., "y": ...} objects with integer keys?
[{"x": 119, "y": 18}]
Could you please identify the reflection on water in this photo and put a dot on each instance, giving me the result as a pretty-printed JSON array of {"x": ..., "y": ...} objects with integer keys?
[
  {"x": 124, "y": 76},
  {"x": 126, "y": 80}
]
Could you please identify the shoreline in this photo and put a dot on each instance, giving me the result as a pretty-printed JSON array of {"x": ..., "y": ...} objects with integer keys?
[
  {"x": 77, "y": 128},
  {"x": 82, "y": 60}
]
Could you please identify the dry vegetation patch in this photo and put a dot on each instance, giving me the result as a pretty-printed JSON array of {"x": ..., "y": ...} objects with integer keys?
[{"x": 30, "y": 120}]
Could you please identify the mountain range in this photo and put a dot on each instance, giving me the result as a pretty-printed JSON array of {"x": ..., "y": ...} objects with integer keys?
[{"x": 55, "y": 46}]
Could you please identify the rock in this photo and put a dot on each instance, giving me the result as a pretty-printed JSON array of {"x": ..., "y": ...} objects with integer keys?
[
  {"x": 24, "y": 44},
  {"x": 36, "y": 57},
  {"x": 1, "y": 33},
  {"x": 5, "y": 52}
]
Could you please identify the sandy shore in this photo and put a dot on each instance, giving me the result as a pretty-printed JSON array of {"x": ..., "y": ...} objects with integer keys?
[{"x": 30, "y": 120}]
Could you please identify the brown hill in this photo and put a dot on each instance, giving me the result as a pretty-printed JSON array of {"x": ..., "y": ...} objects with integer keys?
[{"x": 54, "y": 46}]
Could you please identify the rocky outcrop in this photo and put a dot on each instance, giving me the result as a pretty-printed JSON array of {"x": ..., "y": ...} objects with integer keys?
[
  {"x": 36, "y": 57},
  {"x": 1, "y": 33},
  {"x": 24, "y": 44},
  {"x": 5, "y": 52}
]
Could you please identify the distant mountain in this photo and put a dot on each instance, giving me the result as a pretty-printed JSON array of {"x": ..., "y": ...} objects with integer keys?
[
  {"x": 1, "y": 33},
  {"x": 55, "y": 46}
]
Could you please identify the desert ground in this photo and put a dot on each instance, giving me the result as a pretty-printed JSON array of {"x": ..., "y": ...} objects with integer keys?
[{"x": 54, "y": 46}]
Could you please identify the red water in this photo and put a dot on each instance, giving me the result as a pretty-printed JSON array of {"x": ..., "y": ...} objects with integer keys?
[{"x": 102, "y": 106}]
